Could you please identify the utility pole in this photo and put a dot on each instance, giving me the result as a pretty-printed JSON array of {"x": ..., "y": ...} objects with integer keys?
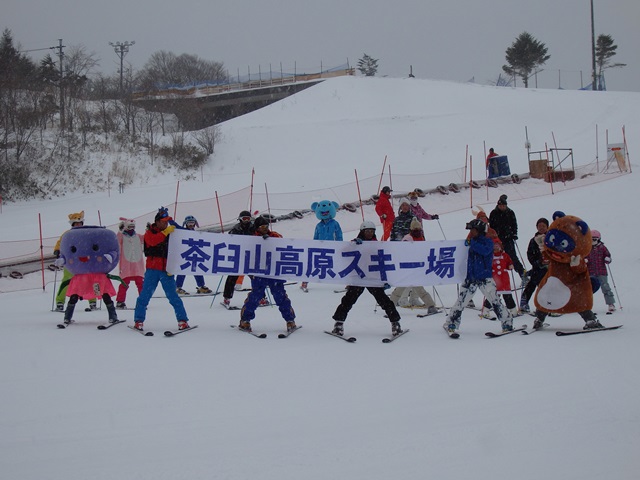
[
  {"x": 594, "y": 84},
  {"x": 61, "y": 57},
  {"x": 121, "y": 49}
]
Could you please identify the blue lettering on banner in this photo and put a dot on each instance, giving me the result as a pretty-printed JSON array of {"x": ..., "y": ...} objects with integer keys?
[
  {"x": 194, "y": 255},
  {"x": 256, "y": 270},
  {"x": 219, "y": 259},
  {"x": 289, "y": 262},
  {"x": 381, "y": 264},
  {"x": 353, "y": 266},
  {"x": 444, "y": 264},
  {"x": 320, "y": 262}
]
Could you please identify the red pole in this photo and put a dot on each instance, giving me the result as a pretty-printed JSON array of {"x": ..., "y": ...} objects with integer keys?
[
  {"x": 175, "y": 206},
  {"x": 251, "y": 191},
  {"x": 359, "y": 196},
  {"x": 624, "y": 139},
  {"x": 41, "y": 250},
  {"x": 470, "y": 181},
  {"x": 390, "y": 185},
  {"x": 381, "y": 174},
  {"x": 219, "y": 213}
]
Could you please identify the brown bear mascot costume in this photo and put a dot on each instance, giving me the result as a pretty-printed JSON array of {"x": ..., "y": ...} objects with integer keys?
[{"x": 566, "y": 288}]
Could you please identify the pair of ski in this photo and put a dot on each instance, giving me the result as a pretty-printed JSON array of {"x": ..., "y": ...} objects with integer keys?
[
  {"x": 247, "y": 289},
  {"x": 422, "y": 315},
  {"x": 233, "y": 307},
  {"x": 455, "y": 334},
  {"x": 566, "y": 333},
  {"x": 62, "y": 326},
  {"x": 353, "y": 339},
  {"x": 168, "y": 333},
  {"x": 264, "y": 335}
]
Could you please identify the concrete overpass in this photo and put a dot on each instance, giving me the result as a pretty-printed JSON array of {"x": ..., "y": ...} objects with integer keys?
[{"x": 200, "y": 107}]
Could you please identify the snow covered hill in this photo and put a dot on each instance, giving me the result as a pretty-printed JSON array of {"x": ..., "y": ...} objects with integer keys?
[{"x": 215, "y": 403}]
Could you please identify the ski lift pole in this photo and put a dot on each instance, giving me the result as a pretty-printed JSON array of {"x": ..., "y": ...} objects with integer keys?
[
  {"x": 384, "y": 164},
  {"x": 443, "y": 235},
  {"x": 219, "y": 212}
]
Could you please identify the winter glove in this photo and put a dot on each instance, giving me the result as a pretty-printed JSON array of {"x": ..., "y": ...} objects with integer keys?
[
  {"x": 575, "y": 260},
  {"x": 515, "y": 237},
  {"x": 607, "y": 260},
  {"x": 435, "y": 217},
  {"x": 59, "y": 262},
  {"x": 265, "y": 236},
  {"x": 386, "y": 286},
  {"x": 358, "y": 241},
  {"x": 169, "y": 230},
  {"x": 56, "y": 253},
  {"x": 383, "y": 216}
]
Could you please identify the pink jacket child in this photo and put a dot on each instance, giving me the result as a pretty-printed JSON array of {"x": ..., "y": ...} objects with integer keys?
[
  {"x": 131, "y": 259},
  {"x": 500, "y": 269}
]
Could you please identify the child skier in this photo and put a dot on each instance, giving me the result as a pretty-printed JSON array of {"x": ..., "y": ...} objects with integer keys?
[{"x": 597, "y": 262}]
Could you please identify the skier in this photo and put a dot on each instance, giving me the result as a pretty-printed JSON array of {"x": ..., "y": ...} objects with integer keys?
[
  {"x": 385, "y": 212},
  {"x": 131, "y": 259},
  {"x": 503, "y": 221},
  {"x": 416, "y": 234},
  {"x": 417, "y": 210},
  {"x": 597, "y": 262},
  {"x": 243, "y": 227},
  {"x": 259, "y": 285},
  {"x": 156, "y": 249},
  {"x": 190, "y": 223},
  {"x": 539, "y": 264},
  {"x": 75, "y": 220},
  {"x": 367, "y": 234},
  {"x": 479, "y": 276},
  {"x": 500, "y": 269},
  {"x": 402, "y": 223},
  {"x": 90, "y": 253}
]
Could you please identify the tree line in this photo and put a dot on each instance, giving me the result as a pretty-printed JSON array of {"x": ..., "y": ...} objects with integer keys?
[{"x": 525, "y": 56}]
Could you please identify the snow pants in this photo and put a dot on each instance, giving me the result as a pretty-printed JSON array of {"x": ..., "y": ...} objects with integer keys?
[
  {"x": 122, "y": 289},
  {"x": 258, "y": 287},
  {"x": 149, "y": 285},
  {"x": 488, "y": 287},
  {"x": 351, "y": 297}
]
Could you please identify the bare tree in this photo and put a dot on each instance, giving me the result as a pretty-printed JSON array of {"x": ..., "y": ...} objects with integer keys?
[
  {"x": 207, "y": 138},
  {"x": 168, "y": 69}
]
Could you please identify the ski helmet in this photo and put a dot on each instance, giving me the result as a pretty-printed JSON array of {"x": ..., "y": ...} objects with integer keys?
[
  {"x": 367, "y": 225},
  {"x": 190, "y": 219},
  {"x": 478, "y": 224},
  {"x": 244, "y": 213},
  {"x": 260, "y": 221},
  {"x": 595, "y": 234}
]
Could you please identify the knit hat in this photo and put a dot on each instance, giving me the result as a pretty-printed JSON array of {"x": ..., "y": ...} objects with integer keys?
[
  {"x": 502, "y": 200},
  {"x": 543, "y": 220},
  {"x": 76, "y": 218},
  {"x": 415, "y": 224}
]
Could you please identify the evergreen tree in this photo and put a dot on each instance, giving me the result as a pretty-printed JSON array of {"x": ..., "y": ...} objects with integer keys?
[
  {"x": 368, "y": 66},
  {"x": 524, "y": 56},
  {"x": 605, "y": 50}
]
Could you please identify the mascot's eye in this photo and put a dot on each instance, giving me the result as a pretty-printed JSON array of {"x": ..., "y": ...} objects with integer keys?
[
  {"x": 564, "y": 244},
  {"x": 73, "y": 249},
  {"x": 95, "y": 247}
]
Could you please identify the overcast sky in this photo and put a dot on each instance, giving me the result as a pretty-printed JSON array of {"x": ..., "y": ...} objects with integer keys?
[{"x": 452, "y": 40}]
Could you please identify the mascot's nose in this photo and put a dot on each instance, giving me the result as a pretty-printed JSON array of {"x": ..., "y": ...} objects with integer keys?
[{"x": 83, "y": 259}]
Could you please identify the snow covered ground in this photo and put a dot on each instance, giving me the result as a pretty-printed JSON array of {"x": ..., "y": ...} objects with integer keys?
[{"x": 215, "y": 403}]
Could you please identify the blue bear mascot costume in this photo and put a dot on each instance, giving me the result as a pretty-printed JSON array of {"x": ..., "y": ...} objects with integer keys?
[
  {"x": 327, "y": 228},
  {"x": 89, "y": 253}
]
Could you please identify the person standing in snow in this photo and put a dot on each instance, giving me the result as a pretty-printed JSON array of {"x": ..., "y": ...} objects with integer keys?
[
  {"x": 503, "y": 220},
  {"x": 156, "y": 248},
  {"x": 75, "y": 220},
  {"x": 597, "y": 262},
  {"x": 190, "y": 223},
  {"x": 500, "y": 269},
  {"x": 259, "y": 285},
  {"x": 243, "y": 227},
  {"x": 131, "y": 259},
  {"x": 417, "y": 210},
  {"x": 385, "y": 212},
  {"x": 367, "y": 234},
  {"x": 402, "y": 223},
  {"x": 416, "y": 234},
  {"x": 479, "y": 276},
  {"x": 539, "y": 264}
]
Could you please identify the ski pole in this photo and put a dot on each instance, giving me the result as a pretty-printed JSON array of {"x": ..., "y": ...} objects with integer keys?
[
  {"x": 515, "y": 290},
  {"x": 435, "y": 292},
  {"x": 53, "y": 298},
  {"x": 613, "y": 282},
  {"x": 217, "y": 291},
  {"x": 443, "y": 235}
]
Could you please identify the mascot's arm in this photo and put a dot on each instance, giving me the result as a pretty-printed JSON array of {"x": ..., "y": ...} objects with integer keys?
[{"x": 577, "y": 264}]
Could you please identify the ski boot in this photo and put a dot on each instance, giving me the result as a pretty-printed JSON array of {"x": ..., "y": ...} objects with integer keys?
[
  {"x": 338, "y": 328},
  {"x": 396, "y": 329},
  {"x": 291, "y": 326},
  {"x": 183, "y": 325},
  {"x": 203, "y": 289},
  {"x": 244, "y": 326}
]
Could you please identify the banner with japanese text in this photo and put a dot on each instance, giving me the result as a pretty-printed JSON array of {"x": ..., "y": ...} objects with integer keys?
[{"x": 317, "y": 261}]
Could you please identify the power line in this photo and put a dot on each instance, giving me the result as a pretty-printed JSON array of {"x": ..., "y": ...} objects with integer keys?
[{"x": 121, "y": 49}]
